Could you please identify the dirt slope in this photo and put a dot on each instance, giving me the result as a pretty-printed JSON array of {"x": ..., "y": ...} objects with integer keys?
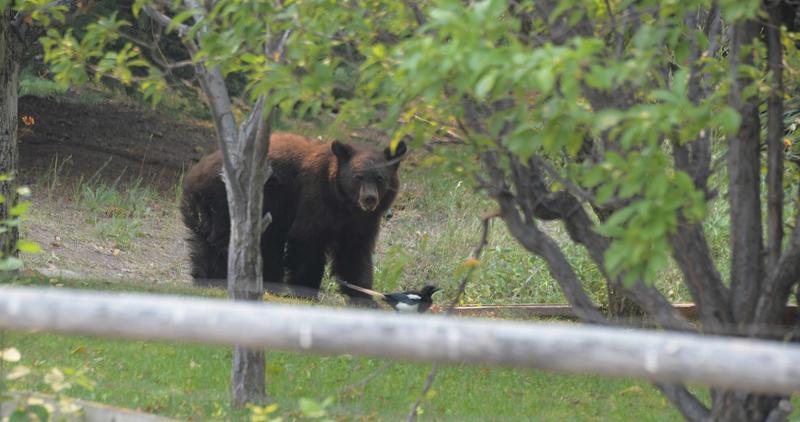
[
  {"x": 114, "y": 145},
  {"x": 111, "y": 140}
]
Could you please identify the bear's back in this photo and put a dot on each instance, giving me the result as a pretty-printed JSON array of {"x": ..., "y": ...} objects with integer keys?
[
  {"x": 292, "y": 154},
  {"x": 288, "y": 153}
]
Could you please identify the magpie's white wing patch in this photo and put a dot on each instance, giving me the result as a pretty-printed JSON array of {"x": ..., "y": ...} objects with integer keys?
[
  {"x": 406, "y": 307},
  {"x": 413, "y": 296}
]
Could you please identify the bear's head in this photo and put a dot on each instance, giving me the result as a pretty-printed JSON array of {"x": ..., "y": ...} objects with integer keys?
[{"x": 368, "y": 178}]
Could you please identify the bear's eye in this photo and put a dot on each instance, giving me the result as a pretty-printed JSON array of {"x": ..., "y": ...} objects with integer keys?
[
  {"x": 380, "y": 179},
  {"x": 359, "y": 177}
]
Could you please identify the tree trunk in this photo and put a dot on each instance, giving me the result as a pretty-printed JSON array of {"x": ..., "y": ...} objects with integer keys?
[
  {"x": 245, "y": 191},
  {"x": 775, "y": 129},
  {"x": 245, "y": 171},
  {"x": 245, "y": 283},
  {"x": 747, "y": 252},
  {"x": 9, "y": 90},
  {"x": 744, "y": 166}
]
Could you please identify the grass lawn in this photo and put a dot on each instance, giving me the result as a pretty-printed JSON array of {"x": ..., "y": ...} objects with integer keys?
[{"x": 191, "y": 381}]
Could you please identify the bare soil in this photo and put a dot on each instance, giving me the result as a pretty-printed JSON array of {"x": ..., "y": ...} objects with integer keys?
[
  {"x": 111, "y": 142},
  {"x": 71, "y": 144}
]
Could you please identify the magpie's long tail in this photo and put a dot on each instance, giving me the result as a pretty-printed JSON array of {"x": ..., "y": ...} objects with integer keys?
[{"x": 372, "y": 293}]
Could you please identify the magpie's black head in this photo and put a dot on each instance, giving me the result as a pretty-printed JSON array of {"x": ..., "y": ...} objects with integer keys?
[{"x": 429, "y": 290}]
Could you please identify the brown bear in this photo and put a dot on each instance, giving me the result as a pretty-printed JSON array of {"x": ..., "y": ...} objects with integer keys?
[{"x": 326, "y": 200}]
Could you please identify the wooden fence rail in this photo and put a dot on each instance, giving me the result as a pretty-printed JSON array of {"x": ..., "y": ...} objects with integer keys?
[{"x": 735, "y": 363}]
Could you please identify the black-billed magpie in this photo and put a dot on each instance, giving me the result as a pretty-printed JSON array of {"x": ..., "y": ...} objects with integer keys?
[{"x": 411, "y": 301}]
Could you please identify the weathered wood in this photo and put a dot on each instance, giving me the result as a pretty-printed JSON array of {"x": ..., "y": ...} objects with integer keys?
[{"x": 730, "y": 363}]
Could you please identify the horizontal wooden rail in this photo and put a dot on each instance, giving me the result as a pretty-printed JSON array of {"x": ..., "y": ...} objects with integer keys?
[{"x": 731, "y": 363}]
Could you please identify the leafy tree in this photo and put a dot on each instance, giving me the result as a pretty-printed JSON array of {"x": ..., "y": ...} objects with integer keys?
[
  {"x": 285, "y": 52},
  {"x": 614, "y": 118}
]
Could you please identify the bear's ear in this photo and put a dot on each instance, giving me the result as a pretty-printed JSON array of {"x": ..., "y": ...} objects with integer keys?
[
  {"x": 399, "y": 151},
  {"x": 341, "y": 150}
]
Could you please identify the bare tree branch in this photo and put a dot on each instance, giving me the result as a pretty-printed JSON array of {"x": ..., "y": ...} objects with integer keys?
[
  {"x": 778, "y": 285},
  {"x": 692, "y": 254},
  {"x": 418, "y": 15},
  {"x": 614, "y": 203},
  {"x": 165, "y": 20},
  {"x": 579, "y": 226},
  {"x": 539, "y": 243},
  {"x": 781, "y": 412},
  {"x": 691, "y": 408},
  {"x": 536, "y": 200},
  {"x": 620, "y": 40}
]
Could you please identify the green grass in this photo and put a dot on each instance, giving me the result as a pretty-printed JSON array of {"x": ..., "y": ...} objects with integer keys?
[
  {"x": 191, "y": 381},
  {"x": 31, "y": 84},
  {"x": 435, "y": 227},
  {"x": 118, "y": 215}
]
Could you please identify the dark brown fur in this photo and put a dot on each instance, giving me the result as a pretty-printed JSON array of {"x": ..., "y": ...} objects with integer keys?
[{"x": 326, "y": 200}]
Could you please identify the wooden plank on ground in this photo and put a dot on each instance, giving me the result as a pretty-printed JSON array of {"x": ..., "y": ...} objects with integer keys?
[{"x": 546, "y": 310}]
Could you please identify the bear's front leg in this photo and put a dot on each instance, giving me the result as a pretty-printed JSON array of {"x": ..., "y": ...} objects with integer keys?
[
  {"x": 353, "y": 264},
  {"x": 305, "y": 262},
  {"x": 273, "y": 244}
]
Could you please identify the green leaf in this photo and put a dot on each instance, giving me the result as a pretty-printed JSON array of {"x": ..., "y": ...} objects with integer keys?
[
  {"x": 28, "y": 246},
  {"x": 733, "y": 10},
  {"x": 19, "y": 415},
  {"x": 485, "y": 84},
  {"x": 631, "y": 277},
  {"x": 251, "y": 58},
  {"x": 19, "y": 209},
  {"x": 605, "y": 193},
  {"x": 311, "y": 408},
  {"x": 614, "y": 256},
  {"x": 630, "y": 188},
  {"x": 610, "y": 231},
  {"x": 178, "y": 19},
  {"x": 622, "y": 215},
  {"x": 657, "y": 187},
  {"x": 728, "y": 120},
  {"x": 682, "y": 52},
  {"x": 607, "y": 119},
  {"x": 595, "y": 176},
  {"x": 684, "y": 182},
  {"x": 545, "y": 79},
  {"x": 601, "y": 77},
  {"x": 40, "y": 412},
  {"x": 379, "y": 51},
  {"x": 658, "y": 262},
  {"x": 680, "y": 82},
  {"x": 10, "y": 264}
]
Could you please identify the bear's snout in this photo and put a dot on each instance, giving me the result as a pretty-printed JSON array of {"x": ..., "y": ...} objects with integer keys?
[
  {"x": 368, "y": 202},
  {"x": 368, "y": 198}
]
